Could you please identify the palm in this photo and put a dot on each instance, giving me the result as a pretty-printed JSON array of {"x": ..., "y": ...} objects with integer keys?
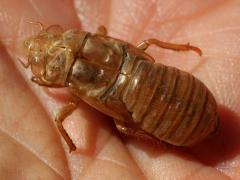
[{"x": 29, "y": 140}]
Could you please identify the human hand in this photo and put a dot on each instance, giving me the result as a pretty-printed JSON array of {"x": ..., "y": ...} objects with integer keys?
[{"x": 30, "y": 145}]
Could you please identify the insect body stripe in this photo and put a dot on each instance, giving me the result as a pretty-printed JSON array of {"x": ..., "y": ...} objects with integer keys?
[
  {"x": 187, "y": 118},
  {"x": 157, "y": 104},
  {"x": 141, "y": 86},
  {"x": 180, "y": 102},
  {"x": 188, "y": 96},
  {"x": 197, "y": 128},
  {"x": 164, "y": 100},
  {"x": 149, "y": 114},
  {"x": 164, "y": 120},
  {"x": 207, "y": 121},
  {"x": 151, "y": 84},
  {"x": 200, "y": 109}
]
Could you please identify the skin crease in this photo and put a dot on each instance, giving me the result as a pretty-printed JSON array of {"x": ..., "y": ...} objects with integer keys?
[{"x": 30, "y": 144}]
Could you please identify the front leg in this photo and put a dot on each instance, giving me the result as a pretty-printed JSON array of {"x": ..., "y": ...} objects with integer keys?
[
  {"x": 44, "y": 83},
  {"x": 61, "y": 115}
]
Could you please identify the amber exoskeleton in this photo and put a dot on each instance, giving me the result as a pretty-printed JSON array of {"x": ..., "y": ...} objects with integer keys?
[{"x": 144, "y": 98}]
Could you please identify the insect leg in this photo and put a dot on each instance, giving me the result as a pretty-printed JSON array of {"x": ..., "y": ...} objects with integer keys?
[
  {"x": 140, "y": 134},
  {"x": 25, "y": 65},
  {"x": 61, "y": 115},
  {"x": 44, "y": 83},
  {"x": 37, "y": 23},
  {"x": 101, "y": 30},
  {"x": 176, "y": 47}
]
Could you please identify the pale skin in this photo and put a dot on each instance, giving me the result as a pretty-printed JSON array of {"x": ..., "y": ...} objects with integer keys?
[{"x": 30, "y": 142}]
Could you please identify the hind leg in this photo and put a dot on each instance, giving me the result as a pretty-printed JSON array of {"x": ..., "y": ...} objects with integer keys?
[
  {"x": 176, "y": 47},
  {"x": 139, "y": 134}
]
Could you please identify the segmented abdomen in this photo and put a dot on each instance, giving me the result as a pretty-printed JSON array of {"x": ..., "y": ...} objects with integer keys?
[{"x": 170, "y": 104}]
